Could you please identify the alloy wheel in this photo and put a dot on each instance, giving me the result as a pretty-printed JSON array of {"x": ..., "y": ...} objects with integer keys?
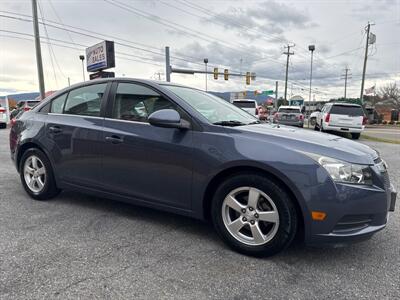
[
  {"x": 250, "y": 216},
  {"x": 34, "y": 174}
]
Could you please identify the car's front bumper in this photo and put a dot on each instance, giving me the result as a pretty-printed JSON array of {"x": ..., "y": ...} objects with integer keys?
[{"x": 355, "y": 214}]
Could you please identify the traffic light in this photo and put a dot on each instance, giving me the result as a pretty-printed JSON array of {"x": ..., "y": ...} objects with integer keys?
[
  {"x": 226, "y": 74},
  {"x": 248, "y": 78},
  {"x": 215, "y": 73}
]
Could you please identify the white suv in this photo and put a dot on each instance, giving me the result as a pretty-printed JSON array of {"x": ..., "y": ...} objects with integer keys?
[
  {"x": 248, "y": 105},
  {"x": 342, "y": 117}
]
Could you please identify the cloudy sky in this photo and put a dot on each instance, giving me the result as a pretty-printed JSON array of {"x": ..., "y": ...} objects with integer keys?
[{"x": 239, "y": 35}]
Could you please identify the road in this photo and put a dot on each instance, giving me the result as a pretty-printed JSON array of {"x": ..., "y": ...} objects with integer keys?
[
  {"x": 77, "y": 246},
  {"x": 389, "y": 133}
]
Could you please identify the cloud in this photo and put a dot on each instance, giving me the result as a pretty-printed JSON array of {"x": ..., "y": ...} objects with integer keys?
[{"x": 266, "y": 18}]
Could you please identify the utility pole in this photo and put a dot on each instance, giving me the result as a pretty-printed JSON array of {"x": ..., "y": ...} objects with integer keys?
[
  {"x": 38, "y": 49},
  {"x": 288, "y": 53},
  {"x": 345, "y": 76},
  {"x": 276, "y": 95},
  {"x": 365, "y": 62},
  {"x": 167, "y": 65}
]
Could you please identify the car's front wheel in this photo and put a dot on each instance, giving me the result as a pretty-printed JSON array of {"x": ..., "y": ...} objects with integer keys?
[
  {"x": 37, "y": 175},
  {"x": 254, "y": 215}
]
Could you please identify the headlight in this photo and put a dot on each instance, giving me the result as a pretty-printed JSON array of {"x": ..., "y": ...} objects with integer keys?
[{"x": 342, "y": 171}]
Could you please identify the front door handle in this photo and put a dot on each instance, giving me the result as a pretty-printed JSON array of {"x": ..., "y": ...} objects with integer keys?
[
  {"x": 55, "y": 129},
  {"x": 114, "y": 139}
]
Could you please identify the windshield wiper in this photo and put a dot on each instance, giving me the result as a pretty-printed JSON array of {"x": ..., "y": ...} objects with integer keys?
[{"x": 229, "y": 123}]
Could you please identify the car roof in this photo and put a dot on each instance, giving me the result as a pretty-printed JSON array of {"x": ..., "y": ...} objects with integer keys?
[
  {"x": 346, "y": 104},
  {"x": 288, "y": 106}
]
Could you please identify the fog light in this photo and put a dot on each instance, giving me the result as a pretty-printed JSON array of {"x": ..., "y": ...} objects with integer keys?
[{"x": 318, "y": 215}]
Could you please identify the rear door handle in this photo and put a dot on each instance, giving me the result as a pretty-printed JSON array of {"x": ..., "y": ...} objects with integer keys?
[
  {"x": 115, "y": 139},
  {"x": 55, "y": 129}
]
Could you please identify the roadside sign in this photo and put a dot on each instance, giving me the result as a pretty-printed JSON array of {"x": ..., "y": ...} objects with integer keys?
[
  {"x": 101, "y": 74},
  {"x": 100, "y": 56}
]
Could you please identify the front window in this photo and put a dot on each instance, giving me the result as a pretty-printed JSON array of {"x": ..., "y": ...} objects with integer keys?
[
  {"x": 214, "y": 109},
  {"x": 135, "y": 102}
]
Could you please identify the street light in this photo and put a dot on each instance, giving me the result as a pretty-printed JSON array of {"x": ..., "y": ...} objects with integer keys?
[
  {"x": 311, "y": 48},
  {"x": 82, "y": 58},
  {"x": 206, "y": 62}
]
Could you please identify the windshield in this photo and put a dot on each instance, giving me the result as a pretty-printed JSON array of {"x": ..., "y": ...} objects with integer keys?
[
  {"x": 214, "y": 109},
  {"x": 244, "y": 104},
  {"x": 289, "y": 110},
  {"x": 347, "y": 110}
]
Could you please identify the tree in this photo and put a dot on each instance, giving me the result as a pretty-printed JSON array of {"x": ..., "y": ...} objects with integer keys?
[{"x": 391, "y": 93}]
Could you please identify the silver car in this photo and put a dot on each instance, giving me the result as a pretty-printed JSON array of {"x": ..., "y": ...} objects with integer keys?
[{"x": 289, "y": 115}]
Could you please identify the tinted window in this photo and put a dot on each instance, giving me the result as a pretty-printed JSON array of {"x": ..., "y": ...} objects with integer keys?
[
  {"x": 134, "y": 102},
  {"x": 244, "y": 104},
  {"x": 57, "y": 104},
  {"x": 347, "y": 110},
  {"x": 85, "y": 100},
  {"x": 289, "y": 110}
]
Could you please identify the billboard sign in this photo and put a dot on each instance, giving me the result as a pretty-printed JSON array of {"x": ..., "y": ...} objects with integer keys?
[{"x": 100, "y": 56}]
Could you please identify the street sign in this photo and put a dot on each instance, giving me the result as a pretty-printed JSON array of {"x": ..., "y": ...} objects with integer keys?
[
  {"x": 269, "y": 92},
  {"x": 101, "y": 74},
  {"x": 100, "y": 56}
]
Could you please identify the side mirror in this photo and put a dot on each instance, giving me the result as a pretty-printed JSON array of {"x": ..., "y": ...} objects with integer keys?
[{"x": 168, "y": 118}]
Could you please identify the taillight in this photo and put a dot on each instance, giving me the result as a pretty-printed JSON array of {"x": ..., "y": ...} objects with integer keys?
[
  {"x": 365, "y": 119},
  {"x": 301, "y": 117},
  {"x": 26, "y": 108},
  {"x": 12, "y": 122},
  {"x": 276, "y": 116},
  {"x": 256, "y": 111},
  {"x": 327, "y": 118}
]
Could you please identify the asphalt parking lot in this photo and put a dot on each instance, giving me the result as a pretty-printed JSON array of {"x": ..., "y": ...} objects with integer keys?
[{"x": 77, "y": 246}]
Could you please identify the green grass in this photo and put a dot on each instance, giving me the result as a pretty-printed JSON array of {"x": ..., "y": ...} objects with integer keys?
[{"x": 376, "y": 139}]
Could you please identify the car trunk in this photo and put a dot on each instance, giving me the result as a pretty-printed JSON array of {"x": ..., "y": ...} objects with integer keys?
[{"x": 346, "y": 116}]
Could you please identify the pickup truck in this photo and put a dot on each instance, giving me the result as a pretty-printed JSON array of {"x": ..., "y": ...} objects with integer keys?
[{"x": 341, "y": 117}]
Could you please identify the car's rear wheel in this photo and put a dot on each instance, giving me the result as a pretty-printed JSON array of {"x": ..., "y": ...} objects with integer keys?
[
  {"x": 254, "y": 215},
  {"x": 37, "y": 175},
  {"x": 355, "y": 136}
]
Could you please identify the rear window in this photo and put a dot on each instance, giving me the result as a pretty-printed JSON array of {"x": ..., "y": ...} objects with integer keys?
[
  {"x": 244, "y": 104},
  {"x": 289, "y": 110},
  {"x": 347, "y": 110}
]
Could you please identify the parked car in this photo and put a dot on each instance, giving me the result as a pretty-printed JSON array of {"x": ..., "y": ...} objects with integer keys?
[
  {"x": 182, "y": 150},
  {"x": 289, "y": 115},
  {"x": 342, "y": 117},
  {"x": 247, "y": 105},
  {"x": 26, "y": 105},
  {"x": 3, "y": 117},
  {"x": 313, "y": 117}
]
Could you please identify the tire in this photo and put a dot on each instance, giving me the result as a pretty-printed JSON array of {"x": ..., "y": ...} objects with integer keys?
[
  {"x": 316, "y": 127},
  {"x": 275, "y": 235},
  {"x": 36, "y": 166},
  {"x": 3, "y": 125},
  {"x": 355, "y": 136},
  {"x": 313, "y": 121}
]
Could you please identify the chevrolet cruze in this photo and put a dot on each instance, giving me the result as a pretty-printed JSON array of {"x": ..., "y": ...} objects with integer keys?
[{"x": 182, "y": 150}]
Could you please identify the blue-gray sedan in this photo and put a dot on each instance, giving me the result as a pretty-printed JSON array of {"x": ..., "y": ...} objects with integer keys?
[{"x": 182, "y": 150}]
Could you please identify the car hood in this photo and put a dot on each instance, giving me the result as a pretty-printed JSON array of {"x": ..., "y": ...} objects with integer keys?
[{"x": 305, "y": 140}]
